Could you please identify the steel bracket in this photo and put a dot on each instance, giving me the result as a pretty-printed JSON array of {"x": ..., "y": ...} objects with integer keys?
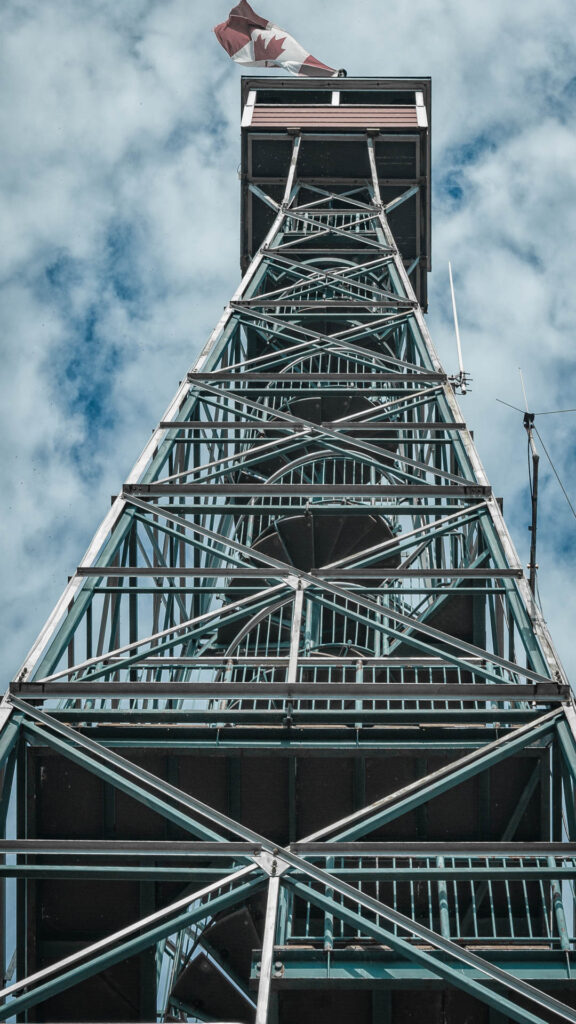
[
  {"x": 271, "y": 863},
  {"x": 296, "y": 583}
]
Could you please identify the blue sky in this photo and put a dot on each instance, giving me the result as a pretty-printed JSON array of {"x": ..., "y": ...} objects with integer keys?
[{"x": 119, "y": 204}]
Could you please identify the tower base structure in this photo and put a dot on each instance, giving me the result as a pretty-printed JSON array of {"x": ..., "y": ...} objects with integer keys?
[{"x": 295, "y": 744}]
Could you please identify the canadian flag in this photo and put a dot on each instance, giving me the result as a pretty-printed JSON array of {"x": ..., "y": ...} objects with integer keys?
[{"x": 250, "y": 39}]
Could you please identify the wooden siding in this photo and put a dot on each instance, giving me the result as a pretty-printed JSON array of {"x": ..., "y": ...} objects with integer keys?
[{"x": 324, "y": 116}]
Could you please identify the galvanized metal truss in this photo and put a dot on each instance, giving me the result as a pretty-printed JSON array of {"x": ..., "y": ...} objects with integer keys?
[
  {"x": 317, "y": 870},
  {"x": 306, "y": 560}
]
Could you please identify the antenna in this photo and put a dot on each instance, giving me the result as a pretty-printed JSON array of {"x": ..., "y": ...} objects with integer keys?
[
  {"x": 461, "y": 380},
  {"x": 523, "y": 387},
  {"x": 529, "y": 428}
]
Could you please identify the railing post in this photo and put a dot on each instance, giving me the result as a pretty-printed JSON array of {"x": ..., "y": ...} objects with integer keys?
[
  {"x": 443, "y": 901},
  {"x": 558, "y": 908},
  {"x": 329, "y": 916}
]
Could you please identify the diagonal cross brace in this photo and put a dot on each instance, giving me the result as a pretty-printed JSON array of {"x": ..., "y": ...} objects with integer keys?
[
  {"x": 461, "y": 646},
  {"x": 129, "y": 941},
  {"x": 121, "y": 774},
  {"x": 343, "y": 440},
  {"x": 439, "y": 967},
  {"x": 266, "y": 323},
  {"x": 442, "y": 945},
  {"x": 435, "y": 783},
  {"x": 325, "y": 878},
  {"x": 454, "y": 655},
  {"x": 174, "y": 632}
]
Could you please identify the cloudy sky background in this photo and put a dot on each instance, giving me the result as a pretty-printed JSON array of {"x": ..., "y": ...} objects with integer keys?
[{"x": 119, "y": 213}]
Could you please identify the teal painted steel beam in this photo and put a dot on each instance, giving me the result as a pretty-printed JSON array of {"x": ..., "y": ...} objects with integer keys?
[
  {"x": 364, "y": 969},
  {"x": 267, "y": 955},
  {"x": 568, "y": 747},
  {"x": 157, "y": 849},
  {"x": 476, "y": 718},
  {"x": 7, "y": 773},
  {"x": 238, "y": 590},
  {"x": 306, "y": 490},
  {"x": 183, "y": 689},
  {"x": 9, "y": 737},
  {"x": 401, "y": 849},
  {"x": 569, "y": 789},
  {"x": 356, "y": 742},
  {"x": 117, "y": 872}
]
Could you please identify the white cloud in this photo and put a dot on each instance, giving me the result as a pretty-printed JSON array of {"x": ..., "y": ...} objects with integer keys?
[{"x": 120, "y": 209}]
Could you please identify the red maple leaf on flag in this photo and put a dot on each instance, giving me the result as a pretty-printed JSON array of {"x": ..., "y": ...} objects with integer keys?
[{"x": 268, "y": 50}]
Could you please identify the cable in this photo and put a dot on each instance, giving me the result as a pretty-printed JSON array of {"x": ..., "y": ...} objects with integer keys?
[
  {"x": 549, "y": 412},
  {"x": 502, "y": 402},
  {"x": 523, "y": 388},
  {"x": 555, "y": 471}
]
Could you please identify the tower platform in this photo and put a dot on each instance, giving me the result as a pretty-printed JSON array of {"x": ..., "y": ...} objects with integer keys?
[{"x": 333, "y": 117}]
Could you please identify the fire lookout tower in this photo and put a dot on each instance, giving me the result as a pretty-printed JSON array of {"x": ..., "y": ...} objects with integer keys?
[{"x": 295, "y": 745}]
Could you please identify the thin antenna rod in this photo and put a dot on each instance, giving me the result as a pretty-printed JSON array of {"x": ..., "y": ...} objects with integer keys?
[
  {"x": 533, "y": 565},
  {"x": 523, "y": 387},
  {"x": 533, "y": 480},
  {"x": 529, "y": 427},
  {"x": 461, "y": 379}
]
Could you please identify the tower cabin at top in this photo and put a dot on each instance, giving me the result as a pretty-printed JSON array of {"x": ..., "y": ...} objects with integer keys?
[{"x": 333, "y": 117}]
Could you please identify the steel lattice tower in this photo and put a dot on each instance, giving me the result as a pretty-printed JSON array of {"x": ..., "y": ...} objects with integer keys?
[{"x": 295, "y": 745}]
